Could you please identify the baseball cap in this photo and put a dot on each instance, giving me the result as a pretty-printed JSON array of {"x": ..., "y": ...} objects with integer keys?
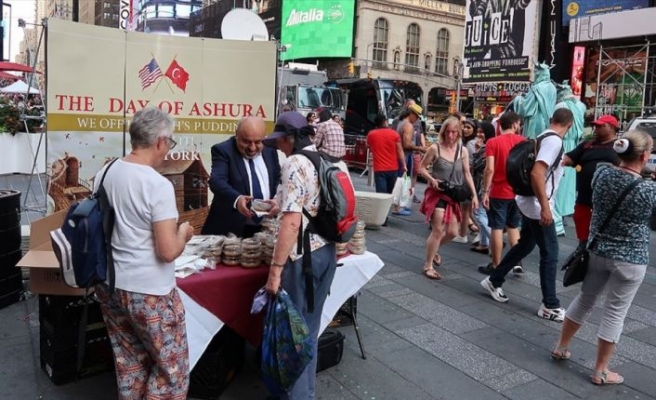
[
  {"x": 288, "y": 123},
  {"x": 415, "y": 108},
  {"x": 607, "y": 119}
]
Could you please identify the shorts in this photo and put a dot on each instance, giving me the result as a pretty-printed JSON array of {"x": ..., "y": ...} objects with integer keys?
[
  {"x": 503, "y": 213},
  {"x": 441, "y": 203},
  {"x": 416, "y": 162}
]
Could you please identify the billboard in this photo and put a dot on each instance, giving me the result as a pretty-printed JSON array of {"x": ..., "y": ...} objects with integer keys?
[
  {"x": 618, "y": 84},
  {"x": 98, "y": 78},
  {"x": 500, "y": 40},
  {"x": 626, "y": 24},
  {"x": 584, "y": 8},
  {"x": 318, "y": 28}
]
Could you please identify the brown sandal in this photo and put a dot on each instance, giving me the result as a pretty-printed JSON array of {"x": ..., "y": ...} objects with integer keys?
[
  {"x": 430, "y": 273},
  {"x": 437, "y": 260}
]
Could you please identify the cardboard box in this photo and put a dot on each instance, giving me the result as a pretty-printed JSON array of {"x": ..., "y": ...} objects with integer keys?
[{"x": 45, "y": 275}]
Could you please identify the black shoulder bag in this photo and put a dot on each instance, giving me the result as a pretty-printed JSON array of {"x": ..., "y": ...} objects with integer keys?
[
  {"x": 457, "y": 193},
  {"x": 576, "y": 265}
]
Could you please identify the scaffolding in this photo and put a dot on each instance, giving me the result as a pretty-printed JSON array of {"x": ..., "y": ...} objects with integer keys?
[{"x": 626, "y": 81}]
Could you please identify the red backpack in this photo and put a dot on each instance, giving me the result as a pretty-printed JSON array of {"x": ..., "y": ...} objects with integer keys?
[{"x": 336, "y": 219}]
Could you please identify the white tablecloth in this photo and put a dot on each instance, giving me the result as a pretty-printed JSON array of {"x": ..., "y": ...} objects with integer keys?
[
  {"x": 17, "y": 156},
  {"x": 355, "y": 272}
]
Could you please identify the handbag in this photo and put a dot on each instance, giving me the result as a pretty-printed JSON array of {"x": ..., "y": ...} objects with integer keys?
[
  {"x": 457, "y": 193},
  {"x": 576, "y": 265}
]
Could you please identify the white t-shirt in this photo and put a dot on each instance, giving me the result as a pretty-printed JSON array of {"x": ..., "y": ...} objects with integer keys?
[
  {"x": 548, "y": 153},
  {"x": 140, "y": 196}
]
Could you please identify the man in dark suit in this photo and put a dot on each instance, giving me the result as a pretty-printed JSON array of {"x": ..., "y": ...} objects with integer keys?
[{"x": 242, "y": 170}]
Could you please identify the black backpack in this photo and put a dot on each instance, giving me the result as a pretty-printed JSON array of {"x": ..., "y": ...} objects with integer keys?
[{"x": 520, "y": 163}]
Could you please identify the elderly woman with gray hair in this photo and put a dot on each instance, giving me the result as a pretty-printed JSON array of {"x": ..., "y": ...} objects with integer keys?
[
  {"x": 145, "y": 317},
  {"x": 619, "y": 256}
]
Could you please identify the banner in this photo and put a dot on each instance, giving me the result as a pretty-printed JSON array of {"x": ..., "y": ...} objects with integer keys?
[
  {"x": 317, "y": 28},
  {"x": 586, "y": 8},
  {"x": 97, "y": 78},
  {"x": 500, "y": 40}
]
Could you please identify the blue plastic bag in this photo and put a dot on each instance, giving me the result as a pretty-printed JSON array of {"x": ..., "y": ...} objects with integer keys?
[{"x": 286, "y": 344}]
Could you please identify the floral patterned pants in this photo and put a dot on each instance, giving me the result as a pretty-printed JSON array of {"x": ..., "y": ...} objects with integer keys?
[{"x": 149, "y": 341}]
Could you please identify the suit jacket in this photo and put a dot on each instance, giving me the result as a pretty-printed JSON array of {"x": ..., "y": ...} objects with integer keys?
[{"x": 228, "y": 181}]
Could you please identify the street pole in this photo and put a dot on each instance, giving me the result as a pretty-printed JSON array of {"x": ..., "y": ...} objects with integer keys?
[{"x": 458, "y": 95}]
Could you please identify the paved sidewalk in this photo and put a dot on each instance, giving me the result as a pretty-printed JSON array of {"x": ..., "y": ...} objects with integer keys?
[{"x": 424, "y": 339}]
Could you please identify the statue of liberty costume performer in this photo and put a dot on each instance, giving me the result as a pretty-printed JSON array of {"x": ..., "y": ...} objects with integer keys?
[
  {"x": 537, "y": 105},
  {"x": 566, "y": 193}
]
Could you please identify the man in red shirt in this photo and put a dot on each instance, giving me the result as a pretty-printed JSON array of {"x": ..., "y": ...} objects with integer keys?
[
  {"x": 385, "y": 146},
  {"x": 498, "y": 197}
]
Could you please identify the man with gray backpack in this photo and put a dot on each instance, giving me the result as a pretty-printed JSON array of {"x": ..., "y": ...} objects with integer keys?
[{"x": 537, "y": 226}]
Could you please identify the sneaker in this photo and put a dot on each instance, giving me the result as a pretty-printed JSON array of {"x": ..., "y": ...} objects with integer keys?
[
  {"x": 486, "y": 270},
  {"x": 496, "y": 293},
  {"x": 403, "y": 212},
  {"x": 477, "y": 238},
  {"x": 460, "y": 239},
  {"x": 518, "y": 269},
  {"x": 553, "y": 314},
  {"x": 415, "y": 200}
]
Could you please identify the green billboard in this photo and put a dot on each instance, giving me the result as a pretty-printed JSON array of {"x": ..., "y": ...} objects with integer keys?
[{"x": 317, "y": 28}]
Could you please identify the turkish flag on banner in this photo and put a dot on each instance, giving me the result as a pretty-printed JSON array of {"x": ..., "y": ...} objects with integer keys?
[{"x": 177, "y": 75}]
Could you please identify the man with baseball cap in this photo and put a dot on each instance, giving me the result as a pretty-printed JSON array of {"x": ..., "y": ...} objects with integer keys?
[
  {"x": 299, "y": 190},
  {"x": 407, "y": 129},
  {"x": 584, "y": 158}
]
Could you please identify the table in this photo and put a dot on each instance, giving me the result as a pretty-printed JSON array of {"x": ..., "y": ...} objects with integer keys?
[
  {"x": 17, "y": 153},
  {"x": 224, "y": 296}
]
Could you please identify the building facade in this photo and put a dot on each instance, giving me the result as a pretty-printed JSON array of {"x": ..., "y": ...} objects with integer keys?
[{"x": 414, "y": 40}]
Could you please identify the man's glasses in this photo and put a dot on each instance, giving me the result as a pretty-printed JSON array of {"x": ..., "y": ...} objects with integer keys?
[{"x": 172, "y": 143}]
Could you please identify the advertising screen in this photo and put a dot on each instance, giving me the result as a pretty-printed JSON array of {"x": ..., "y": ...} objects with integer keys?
[
  {"x": 500, "y": 41},
  {"x": 318, "y": 28},
  {"x": 585, "y": 8},
  {"x": 578, "y": 63}
]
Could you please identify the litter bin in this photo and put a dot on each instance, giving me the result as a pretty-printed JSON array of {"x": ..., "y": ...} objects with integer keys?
[{"x": 11, "y": 282}]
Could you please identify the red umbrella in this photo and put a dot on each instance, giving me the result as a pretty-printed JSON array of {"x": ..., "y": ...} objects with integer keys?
[{"x": 12, "y": 66}]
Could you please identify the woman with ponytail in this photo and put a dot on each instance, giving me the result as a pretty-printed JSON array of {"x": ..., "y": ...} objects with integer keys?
[{"x": 619, "y": 255}]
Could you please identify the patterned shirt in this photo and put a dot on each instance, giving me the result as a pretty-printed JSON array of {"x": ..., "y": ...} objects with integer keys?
[
  {"x": 298, "y": 189},
  {"x": 626, "y": 238},
  {"x": 330, "y": 138}
]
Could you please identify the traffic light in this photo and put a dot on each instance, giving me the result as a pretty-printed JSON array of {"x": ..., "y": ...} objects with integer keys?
[{"x": 351, "y": 68}]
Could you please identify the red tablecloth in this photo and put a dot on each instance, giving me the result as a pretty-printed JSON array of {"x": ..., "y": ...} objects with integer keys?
[{"x": 228, "y": 292}]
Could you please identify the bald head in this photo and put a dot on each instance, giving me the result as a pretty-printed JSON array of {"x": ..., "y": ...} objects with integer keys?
[{"x": 249, "y": 136}]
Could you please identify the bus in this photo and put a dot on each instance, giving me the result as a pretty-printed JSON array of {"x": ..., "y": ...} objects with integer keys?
[{"x": 366, "y": 98}]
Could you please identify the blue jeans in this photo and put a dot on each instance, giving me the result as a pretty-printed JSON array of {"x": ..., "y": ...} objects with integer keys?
[
  {"x": 408, "y": 164},
  {"x": 480, "y": 217},
  {"x": 533, "y": 233},
  {"x": 324, "y": 263},
  {"x": 385, "y": 181}
]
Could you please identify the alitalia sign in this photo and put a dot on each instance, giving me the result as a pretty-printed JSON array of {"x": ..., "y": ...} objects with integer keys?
[
  {"x": 301, "y": 17},
  {"x": 317, "y": 28}
]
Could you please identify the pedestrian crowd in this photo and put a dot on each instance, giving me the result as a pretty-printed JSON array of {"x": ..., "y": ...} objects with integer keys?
[{"x": 472, "y": 156}]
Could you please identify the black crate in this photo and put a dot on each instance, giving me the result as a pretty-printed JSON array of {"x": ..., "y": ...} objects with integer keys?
[
  {"x": 8, "y": 262},
  {"x": 11, "y": 283},
  {"x": 10, "y": 298},
  {"x": 60, "y": 363},
  {"x": 217, "y": 367},
  {"x": 62, "y": 313}
]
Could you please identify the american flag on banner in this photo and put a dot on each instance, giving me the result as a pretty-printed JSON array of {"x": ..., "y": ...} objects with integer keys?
[{"x": 149, "y": 74}]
